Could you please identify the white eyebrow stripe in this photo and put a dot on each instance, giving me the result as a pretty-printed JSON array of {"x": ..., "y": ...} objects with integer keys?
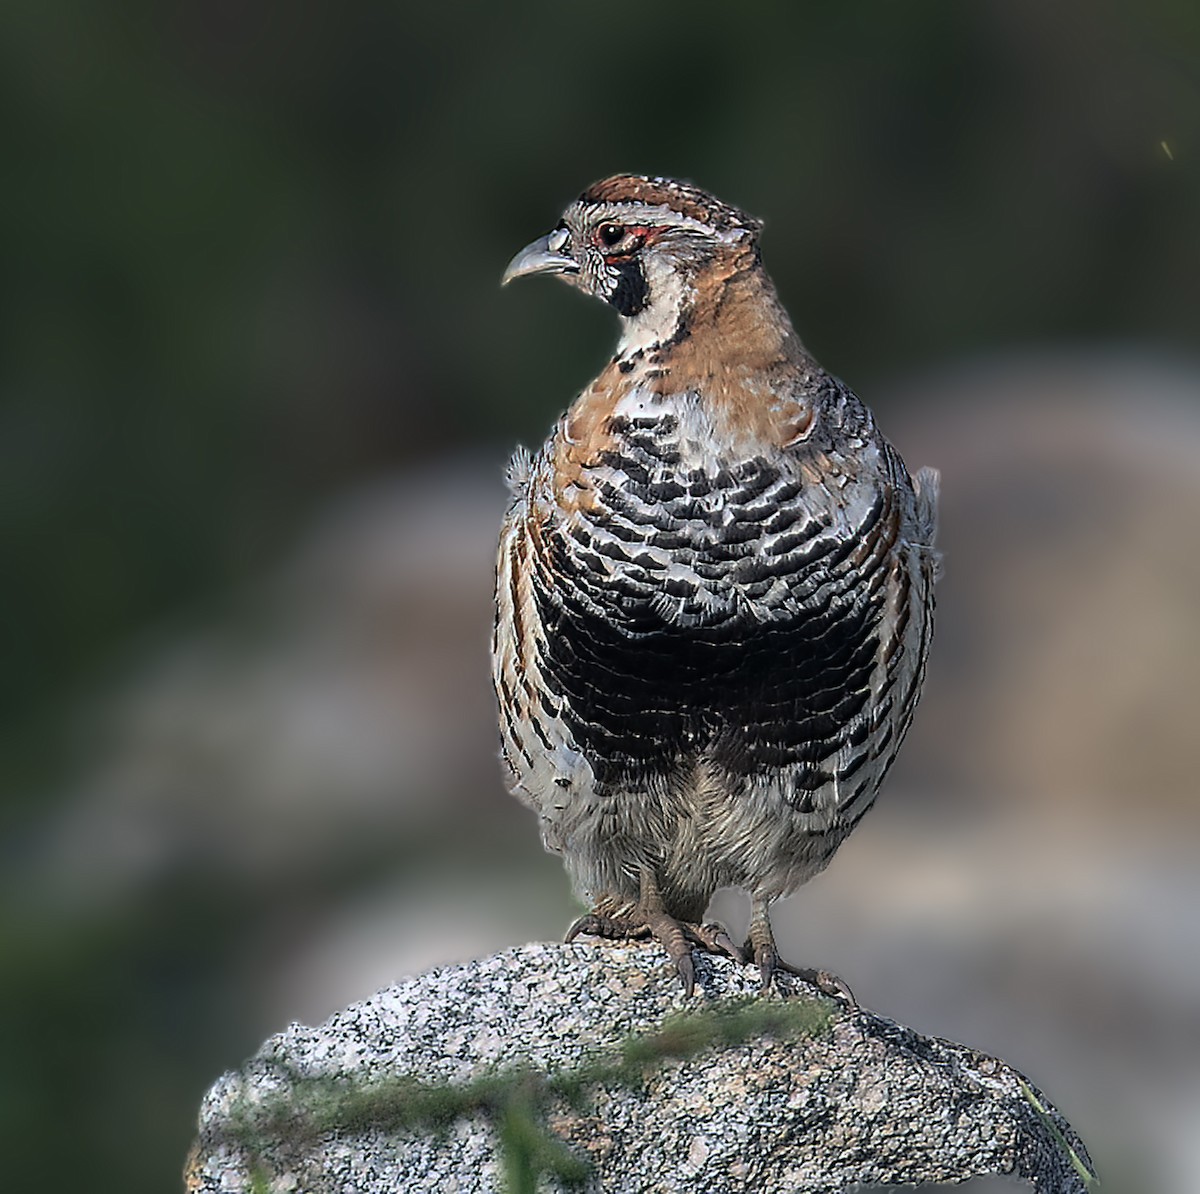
[{"x": 648, "y": 213}]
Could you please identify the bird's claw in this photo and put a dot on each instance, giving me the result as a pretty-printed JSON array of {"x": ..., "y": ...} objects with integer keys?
[
  {"x": 715, "y": 940},
  {"x": 771, "y": 965},
  {"x": 676, "y": 937},
  {"x": 611, "y": 928}
]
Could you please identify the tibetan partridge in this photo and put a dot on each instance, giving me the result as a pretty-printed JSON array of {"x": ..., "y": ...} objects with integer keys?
[{"x": 714, "y": 590}]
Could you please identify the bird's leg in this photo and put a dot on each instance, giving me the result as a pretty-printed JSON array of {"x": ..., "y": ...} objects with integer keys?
[
  {"x": 649, "y": 918},
  {"x": 761, "y": 948},
  {"x": 667, "y": 931}
]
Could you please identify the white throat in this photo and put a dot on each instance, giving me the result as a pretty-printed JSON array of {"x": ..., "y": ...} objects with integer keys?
[{"x": 670, "y": 293}]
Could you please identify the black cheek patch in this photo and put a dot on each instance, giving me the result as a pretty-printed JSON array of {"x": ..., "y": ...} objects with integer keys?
[{"x": 630, "y": 293}]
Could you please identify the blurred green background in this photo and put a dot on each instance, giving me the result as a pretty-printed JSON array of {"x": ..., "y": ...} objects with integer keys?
[{"x": 249, "y": 266}]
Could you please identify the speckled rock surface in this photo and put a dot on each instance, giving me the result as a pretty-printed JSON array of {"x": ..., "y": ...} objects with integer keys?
[{"x": 864, "y": 1102}]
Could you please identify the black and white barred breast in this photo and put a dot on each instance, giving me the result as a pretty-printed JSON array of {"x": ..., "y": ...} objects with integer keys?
[{"x": 707, "y": 646}]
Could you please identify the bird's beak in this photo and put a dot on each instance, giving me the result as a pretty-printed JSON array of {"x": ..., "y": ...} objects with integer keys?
[{"x": 544, "y": 256}]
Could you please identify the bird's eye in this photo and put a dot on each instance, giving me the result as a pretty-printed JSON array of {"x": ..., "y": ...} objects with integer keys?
[{"x": 611, "y": 234}]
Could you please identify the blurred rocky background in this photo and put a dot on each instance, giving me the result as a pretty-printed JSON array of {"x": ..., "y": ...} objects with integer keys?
[{"x": 257, "y": 385}]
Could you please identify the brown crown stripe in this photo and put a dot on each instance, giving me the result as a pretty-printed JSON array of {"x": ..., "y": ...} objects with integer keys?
[{"x": 681, "y": 197}]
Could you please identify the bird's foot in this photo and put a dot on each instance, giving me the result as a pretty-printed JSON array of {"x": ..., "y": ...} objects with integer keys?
[
  {"x": 611, "y": 928},
  {"x": 650, "y": 919},
  {"x": 771, "y": 965},
  {"x": 713, "y": 939},
  {"x": 760, "y": 948},
  {"x": 639, "y": 924}
]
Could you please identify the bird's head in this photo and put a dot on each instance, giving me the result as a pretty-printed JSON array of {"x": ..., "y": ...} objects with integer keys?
[{"x": 642, "y": 244}]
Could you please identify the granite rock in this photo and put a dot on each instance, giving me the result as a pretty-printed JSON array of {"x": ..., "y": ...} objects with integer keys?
[{"x": 548, "y": 1064}]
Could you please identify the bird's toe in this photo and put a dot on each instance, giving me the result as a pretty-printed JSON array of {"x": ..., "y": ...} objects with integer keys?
[
  {"x": 611, "y": 928},
  {"x": 715, "y": 939}
]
